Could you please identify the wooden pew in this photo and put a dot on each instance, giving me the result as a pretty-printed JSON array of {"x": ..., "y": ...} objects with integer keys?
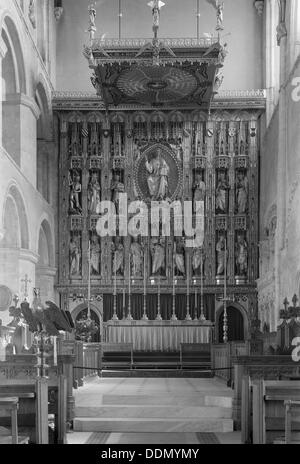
[
  {"x": 115, "y": 355},
  {"x": 292, "y": 411},
  {"x": 18, "y": 379},
  {"x": 11, "y": 405},
  {"x": 195, "y": 355},
  {"x": 269, "y": 414}
]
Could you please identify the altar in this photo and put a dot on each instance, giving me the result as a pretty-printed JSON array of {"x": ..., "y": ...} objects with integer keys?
[{"x": 164, "y": 336}]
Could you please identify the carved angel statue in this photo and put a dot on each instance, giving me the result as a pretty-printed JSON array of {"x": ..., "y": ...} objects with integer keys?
[
  {"x": 219, "y": 7},
  {"x": 92, "y": 13}
]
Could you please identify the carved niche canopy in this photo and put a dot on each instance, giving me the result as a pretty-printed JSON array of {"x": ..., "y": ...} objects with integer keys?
[{"x": 173, "y": 72}]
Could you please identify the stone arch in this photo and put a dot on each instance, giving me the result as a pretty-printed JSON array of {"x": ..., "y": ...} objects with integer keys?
[
  {"x": 13, "y": 83},
  {"x": 45, "y": 246},
  {"x": 221, "y": 116},
  {"x": 237, "y": 307},
  {"x": 95, "y": 117},
  {"x": 9, "y": 30},
  {"x": 11, "y": 224},
  {"x": 140, "y": 116},
  {"x": 199, "y": 116},
  {"x": 43, "y": 100},
  {"x": 16, "y": 214}
]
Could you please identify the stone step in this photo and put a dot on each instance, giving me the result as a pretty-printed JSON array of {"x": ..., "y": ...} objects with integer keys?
[
  {"x": 161, "y": 399},
  {"x": 166, "y": 425},
  {"x": 163, "y": 412}
]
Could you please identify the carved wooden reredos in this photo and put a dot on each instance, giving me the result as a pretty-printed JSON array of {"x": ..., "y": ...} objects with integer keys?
[{"x": 99, "y": 153}]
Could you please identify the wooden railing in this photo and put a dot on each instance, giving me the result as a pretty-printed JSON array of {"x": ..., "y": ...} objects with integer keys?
[
  {"x": 222, "y": 356},
  {"x": 91, "y": 359}
]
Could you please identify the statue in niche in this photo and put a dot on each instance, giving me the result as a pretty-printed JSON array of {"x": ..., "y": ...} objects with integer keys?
[
  {"x": 179, "y": 257},
  {"x": 136, "y": 254},
  {"x": 157, "y": 247},
  {"x": 95, "y": 255},
  {"x": 158, "y": 179},
  {"x": 199, "y": 188},
  {"x": 118, "y": 257},
  {"x": 75, "y": 191},
  {"x": 241, "y": 256},
  {"x": 221, "y": 193},
  {"x": 117, "y": 187},
  {"x": 94, "y": 190},
  {"x": 75, "y": 256},
  {"x": 242, "y": 192},
  {"x": 197, "y": 260},
  {"x": 220, "y": 249}
]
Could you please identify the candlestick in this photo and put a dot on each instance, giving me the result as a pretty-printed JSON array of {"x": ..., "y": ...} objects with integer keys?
[
  {"x": 54, "y": 340},
  {"x": 158, "y": 317},
  {"x": 196, "y": 302},
  {"x": 129, "y": 317},
  {"x": 188, "y": 316},
  {"x": 124, "y": 299},
  {"x": 174, "y": 317},
  {"x": 202, "y": 316},
  {"x": 89, "y": 283},
  {"x": 115, "y": 316},
  {"x": 145, "y": 317},
  {"x": 225, "y": 321}
]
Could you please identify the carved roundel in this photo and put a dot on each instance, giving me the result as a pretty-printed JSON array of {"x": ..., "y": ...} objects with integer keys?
[
  {"x": 5, "y": 298},
  {"x": 157, "y": 85},
  {"x": 158, "y": 174}
]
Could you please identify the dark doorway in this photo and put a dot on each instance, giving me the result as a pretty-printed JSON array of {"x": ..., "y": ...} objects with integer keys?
[
  {"x": 235, "y": 325},
  {"x": 94, "y": 317}
]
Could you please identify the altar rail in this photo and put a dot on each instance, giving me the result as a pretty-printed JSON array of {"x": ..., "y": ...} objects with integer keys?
[{"x": 222, "y": 355}]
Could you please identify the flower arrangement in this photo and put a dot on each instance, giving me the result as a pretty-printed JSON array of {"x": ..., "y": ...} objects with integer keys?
[{"x": 85, "y": 328}]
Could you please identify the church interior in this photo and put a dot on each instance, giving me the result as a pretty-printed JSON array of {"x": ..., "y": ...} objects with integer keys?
[{"x": 149, "y": 222}]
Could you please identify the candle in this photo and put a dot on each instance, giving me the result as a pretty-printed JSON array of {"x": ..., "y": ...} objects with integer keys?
[
  {"x": 89, "y": 283},
  {"x": 145, "y": 271},
  {"x": 124, "y": 294},
  {"x": 54, "y": 351},
  {"x": 188, "y": 278},
  {"x": 115, "y": 282},
  {"x": 129, "y": 280}
]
